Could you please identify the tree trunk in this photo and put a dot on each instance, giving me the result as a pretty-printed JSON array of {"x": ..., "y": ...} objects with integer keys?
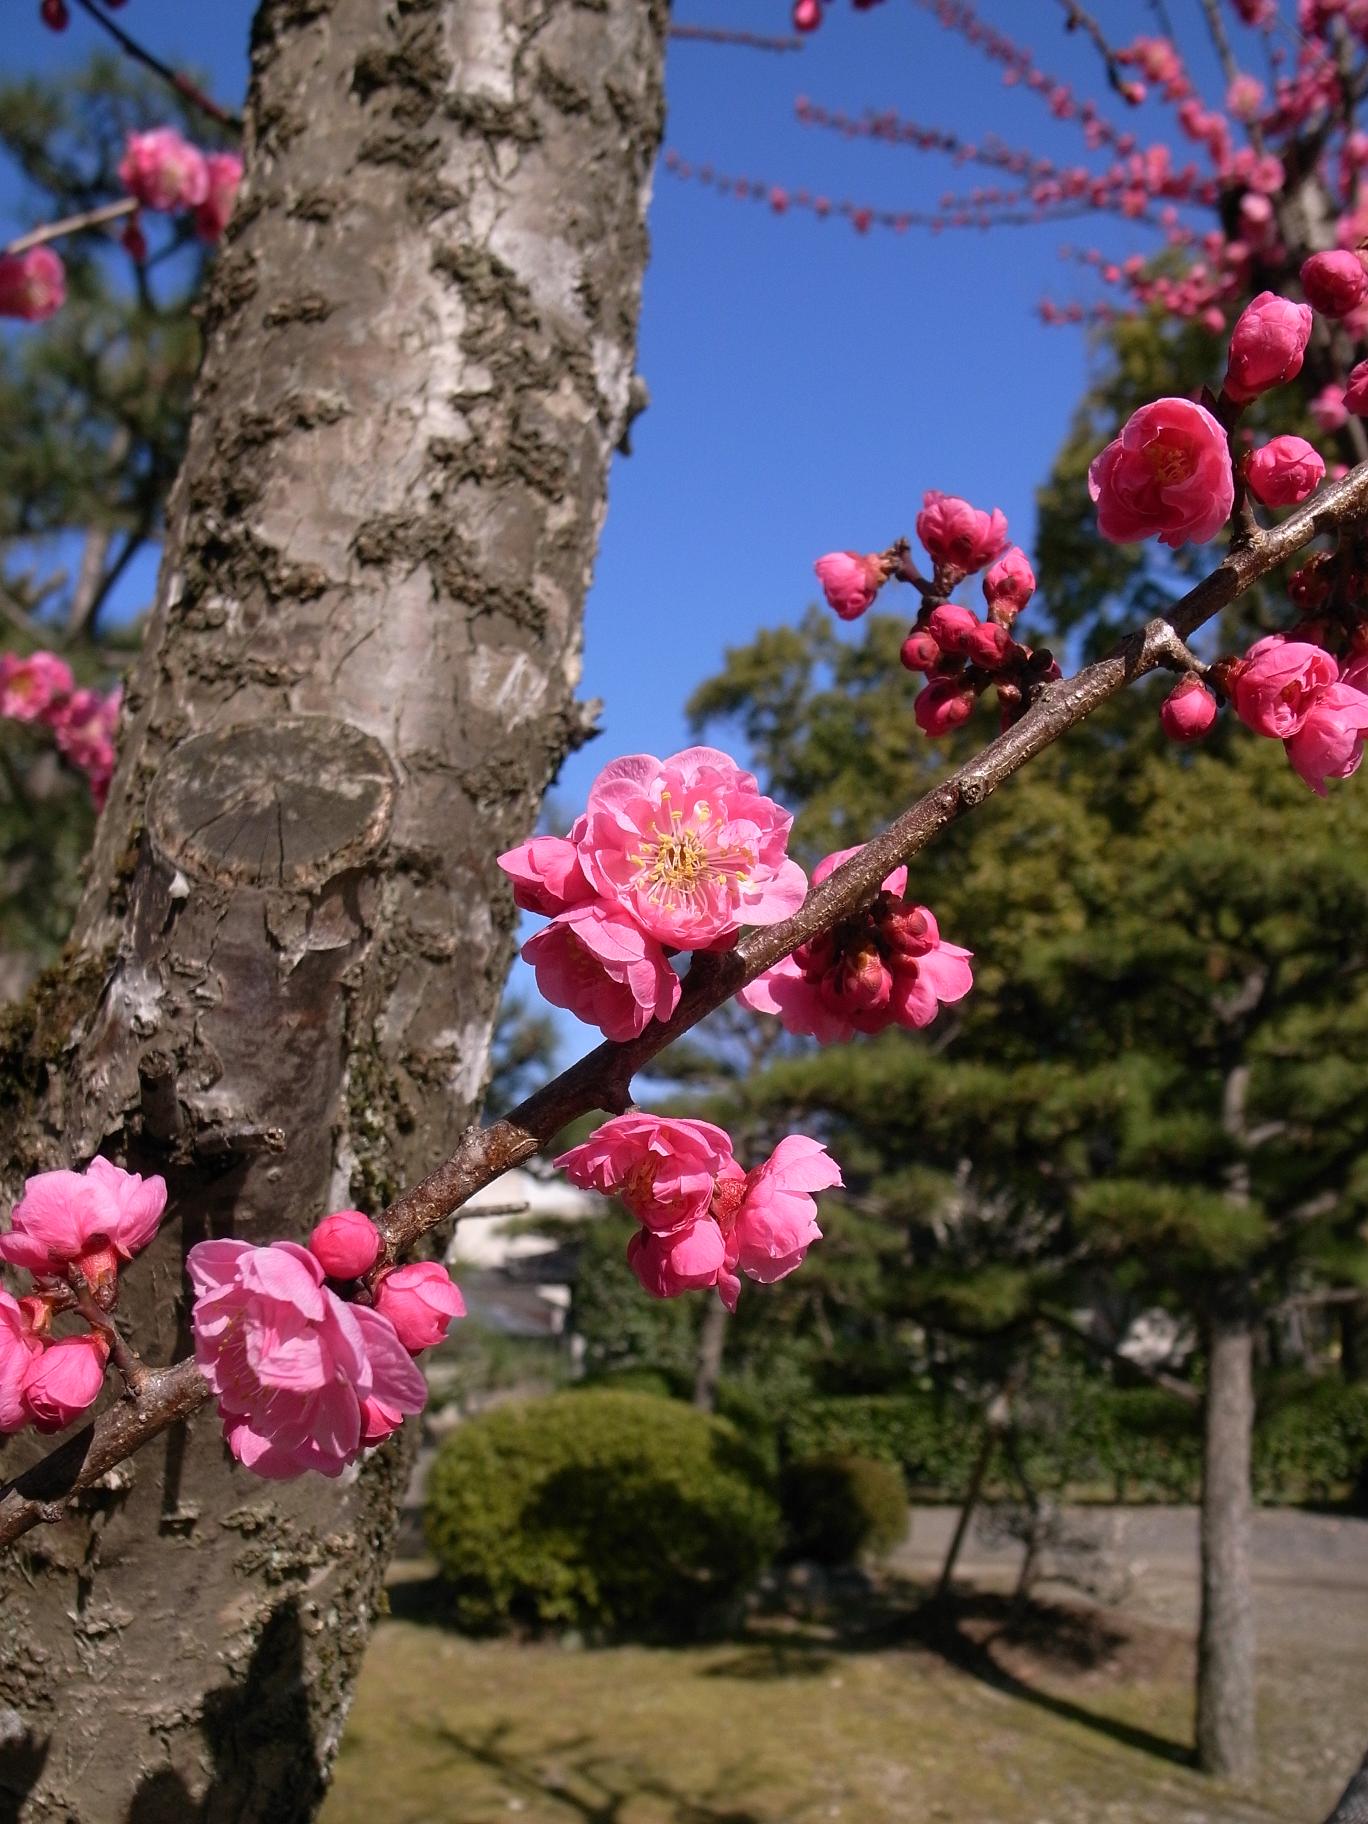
[
  {"x": 356, "y": 684},
  {"x": 1353, "y": 1322},
  {"x": 712, "y": 1344},
  {"x": 1226, "y": 1665}
]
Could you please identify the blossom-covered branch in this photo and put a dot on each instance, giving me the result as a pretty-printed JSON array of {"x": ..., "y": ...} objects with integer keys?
[{"x": 603, "y": 1078}]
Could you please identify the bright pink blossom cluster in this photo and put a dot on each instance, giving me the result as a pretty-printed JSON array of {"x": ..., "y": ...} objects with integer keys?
[
  {"x": 886, "y": 966},
  {"x": 32, "y": 284},
  {"x": 166, "y": 174},
  {"x": 670, "y": 855},
  {"x": 704, "y": 1220},
  {"x": 1298, "y": 693},
  {"x": 40, "y": 689},
  {"x": 71, "y": 1232},
  {"x": 305, "y": 1379}
]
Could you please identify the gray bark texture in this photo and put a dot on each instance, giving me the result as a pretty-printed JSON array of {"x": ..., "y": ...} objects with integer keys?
[
  {"x": 356, "y": 684},
  {"x": 1226, "y": 1743}
]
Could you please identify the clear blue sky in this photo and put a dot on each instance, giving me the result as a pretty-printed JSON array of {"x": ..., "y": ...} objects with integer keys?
[{"x": 807, "y": 383}]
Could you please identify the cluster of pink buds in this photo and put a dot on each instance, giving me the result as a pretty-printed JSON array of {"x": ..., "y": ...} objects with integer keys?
[
  {"x": 886, "y": 966},
  {"x": 71, "y": 1232},
  {"x": 306, "y": 1379},
  {"x": 40, "y": 689},
  {"x": 807, "y": 14},
  {"x": 165, "y": 173},
  {"x": 670, "y": 855},
  {"x": 704, "y": 1220}
]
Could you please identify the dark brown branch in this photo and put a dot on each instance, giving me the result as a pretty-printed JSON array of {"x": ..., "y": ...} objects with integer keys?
[
  {"x": 603, "y": 1078},
  {"x": 1079, "y": 21},
  {"x": 182, "y": 84},
  {"x": 721, "y": 34}
]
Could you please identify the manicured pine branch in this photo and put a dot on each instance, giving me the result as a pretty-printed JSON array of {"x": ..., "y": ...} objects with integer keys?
[{"x": 603, "y": 1079}]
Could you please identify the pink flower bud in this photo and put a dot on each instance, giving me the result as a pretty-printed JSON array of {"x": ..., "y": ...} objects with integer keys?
[
  {"x": 54, "y": 15},
  {"x": 64, "y": 1380},
  {"x": 345, "y": 1244},
  {"x": 1267, "y": 345},
  {"x": 943, "y": 704},
  {"x": 1328, "y": 407},
  {"x": 420, "y": 1301},
  {"x": 1284, "y": 471},
  {"x": 952, "y": 627},
  {"x": 920, "y": 650},
  {"x": 960, "y": 538},
  {"x": 1356, "y": 391},
  {"x": 1188, "y": 712},
  {"x": 849, "y": 581},
  {"x": 1009, "y": 585},
  {"x": 988, "y": 645},
  {"x": 134, "y": 240},
  {"x": 1334, "y": 283},
  {"x": 225, "y": 174},
  {"x": 807, "y": 15},
  {"x": 32, "y": 284}
]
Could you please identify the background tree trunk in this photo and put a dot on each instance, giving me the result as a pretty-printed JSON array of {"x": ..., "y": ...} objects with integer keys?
[
  {"x": 356, "y": 684},
  {"x": 1225, "y": 1654},
  {"x": 712, "y": 1347}
]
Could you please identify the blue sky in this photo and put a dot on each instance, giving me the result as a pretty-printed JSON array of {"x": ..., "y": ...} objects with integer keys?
[{"x": 807, "y": 383}]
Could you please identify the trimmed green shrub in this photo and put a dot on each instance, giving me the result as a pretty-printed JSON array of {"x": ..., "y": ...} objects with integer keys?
[
  {"x": 933, "y": 1441},
  {"x": 616, "y": 1512},
  {"x": 838, "y": 1509}
]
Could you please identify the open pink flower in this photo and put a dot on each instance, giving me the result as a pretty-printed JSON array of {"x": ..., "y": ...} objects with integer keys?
[
  {"x": 31, "y": 688},
  {"x": 1267, "y": 346},
  {"x": 597, "y": 963},
  {"x": 420, "y": 1300},
  {"x": 1329, "y": 743},
  {"x": 546, "y": 874},
  {"x": 1279, "y": 684},
  {"x": 661, "y": 1169},
  {"x": 164, "y": 171},
  {"x": 1167, "y": 476},
  {"x": 65, "y": 1380},
  {"x": 850, "y": 581},
  {"x": 684, "y": 1259},
  {"x": 291, "y": 1365},
  {"x": 689, "y": 847},
  {"x": 90, "y": 1220},
  {"x": 18, "y": 1346},
  {"x": 1284, "y": 471},
  {"x": 960, "y": 538},
  {"x": 772, "y": 1219},
  {"x": 225, "y": 174},
  {"x": 32, "y": 284}
]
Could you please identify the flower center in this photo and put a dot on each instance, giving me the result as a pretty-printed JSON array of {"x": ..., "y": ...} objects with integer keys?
[
  {"x": 677, "y": 867},
  {"x": 1170, "y": 464}
]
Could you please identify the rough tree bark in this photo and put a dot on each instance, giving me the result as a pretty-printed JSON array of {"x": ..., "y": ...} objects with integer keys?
[
  {"x": 1225, "y": 1648},
  {"x": 357, "y": 682}
]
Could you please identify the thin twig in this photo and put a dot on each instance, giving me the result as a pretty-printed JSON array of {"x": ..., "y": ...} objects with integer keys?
[
  {"x": 721, "y": 34},
  {"x": 72, "y": 224},
  {"x": 603, "y": 1078},
  {"x": 181, "y": 83},
  {"x": 1078, "y": 21}
]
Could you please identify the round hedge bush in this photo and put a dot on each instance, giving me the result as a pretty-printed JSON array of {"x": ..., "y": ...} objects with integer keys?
[
  {"x": 615, "y": 1512},
  {"x": 838, "y": 1509}
]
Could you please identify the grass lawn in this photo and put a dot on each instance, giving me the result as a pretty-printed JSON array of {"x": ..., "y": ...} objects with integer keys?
[{"x": 884, "y": 1717}]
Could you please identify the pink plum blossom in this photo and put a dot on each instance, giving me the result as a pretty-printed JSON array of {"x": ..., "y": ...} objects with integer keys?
[
  {"x": 291, "y": 1365},
  {"x": 225, "y": 174},
  {"x": 689, "y": 848},
  {"x": 772, "y": 1222},
  {"x": 597, "y": 963},
  {"x": 18, "y": 1346},
  {"x": 420, "y": 1301},
  {"x": 1334, "y": 282},
  {"x": 164, "y": 171},
  {"x": 849, "y": 581},
  {"x": 32, "y": 284},
  {"x": 1356, "y": 390},
  {"x": 1284, "y": 471},
  {"x": 1188, "y": 712},
  {"x": 84, "y": 725},
  {"x": 1267, "y": 346},
  {"x": 960, "y": 538},
  {"x": 62, "y": 1382},
  {"x": 1167, "y": 475},
  {"x": 1279, "y": 683},
  {"x": 661, "y": 1169},
  {"x": 1009, "y": 585},
  {"x": 546, "y": 874},
  {"x": 1244, "y": 97},
  {"x": 345, "y": 1244},
  {"x": 684, "y": 1259},
  {"x": 1328, "y": 407},
  {"x": 31, "y": 688},
  {"x": 1329, "y": 743},
  {"x": 90, "y": 1220}
]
